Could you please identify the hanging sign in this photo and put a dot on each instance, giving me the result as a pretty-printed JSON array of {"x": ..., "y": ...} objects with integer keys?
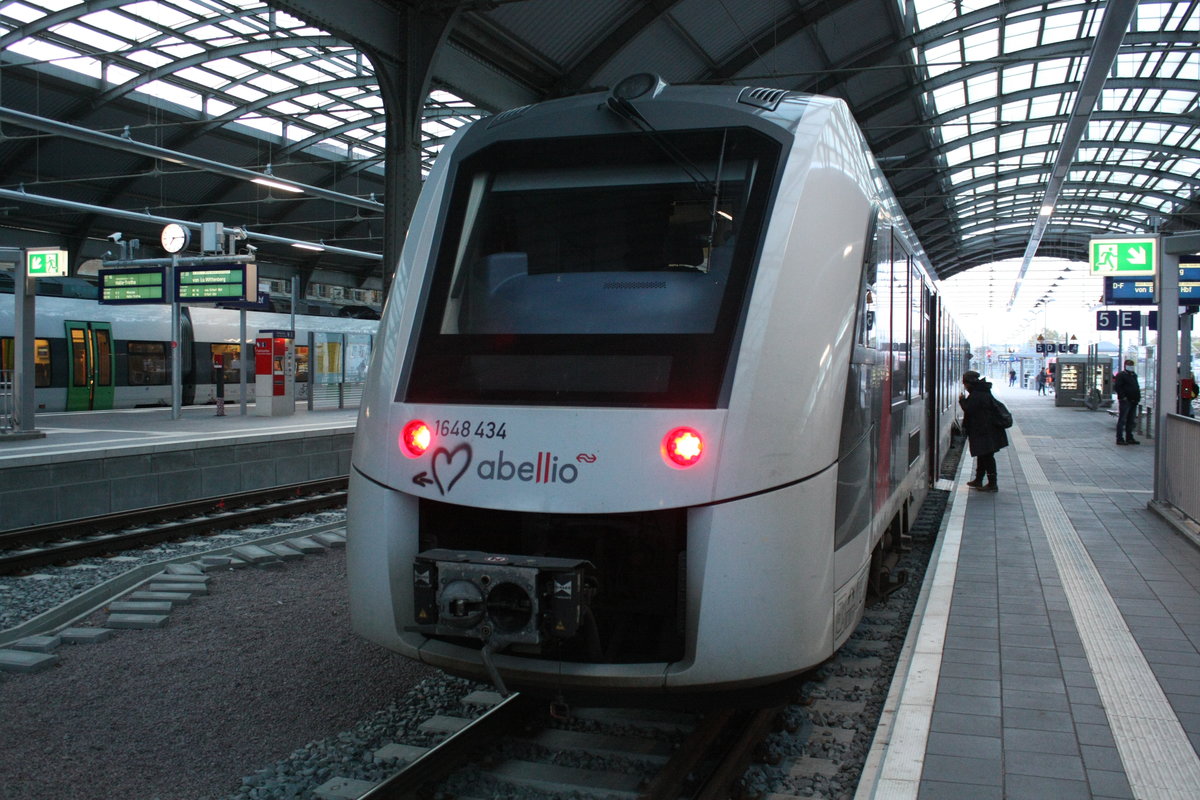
[
  {"x": 46, "y": 263},
  {"x": 1125, "y": 256},
  {"x": 216, "y": 283},
  {"x": 133, "y": 285}
]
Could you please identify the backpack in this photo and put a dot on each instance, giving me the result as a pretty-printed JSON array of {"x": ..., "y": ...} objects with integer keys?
[{"x": 1003, "y": 417}]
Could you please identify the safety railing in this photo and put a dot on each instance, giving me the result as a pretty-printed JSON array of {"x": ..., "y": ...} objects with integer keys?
[
  {"x": 1181, "y": 443},
  {"x": 8, "y": 403}
]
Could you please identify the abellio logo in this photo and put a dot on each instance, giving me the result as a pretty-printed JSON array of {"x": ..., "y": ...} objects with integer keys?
[
  {"x": 546, "y": 469},
  {"x": 448, "y": 466}
]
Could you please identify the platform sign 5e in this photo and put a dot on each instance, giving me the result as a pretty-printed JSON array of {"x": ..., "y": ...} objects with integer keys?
[
  {"x": 46, "y": 263},
  {"x": 1124, "y": 256}
]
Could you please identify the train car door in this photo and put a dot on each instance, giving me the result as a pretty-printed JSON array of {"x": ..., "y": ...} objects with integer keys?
[{"x": 90, "y": 386}]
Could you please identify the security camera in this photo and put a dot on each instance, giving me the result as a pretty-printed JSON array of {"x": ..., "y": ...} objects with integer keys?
[
  {"x": 251, "y": 249},
  {"x": 114, "y": 237}
]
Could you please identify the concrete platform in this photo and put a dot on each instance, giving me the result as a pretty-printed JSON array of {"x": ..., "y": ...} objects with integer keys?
[
  {"x": 1059, "y": 651},
  {"x": 100, "y": 462}
]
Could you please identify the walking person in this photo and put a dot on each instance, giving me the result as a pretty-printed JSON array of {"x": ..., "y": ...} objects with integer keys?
[
  {"x": 1012, "y": 377},
  {"x": 1041, "y": 381},
  {"x": 1129, "y": 394},
  {"x": 983, "y": 427}
]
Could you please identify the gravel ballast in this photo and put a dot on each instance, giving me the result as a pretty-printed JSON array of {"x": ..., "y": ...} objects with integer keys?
[{"x": 263, "y": 666}]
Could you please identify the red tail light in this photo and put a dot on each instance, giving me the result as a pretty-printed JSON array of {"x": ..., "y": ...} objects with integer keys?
[
  {"x": 415, "y": 439},
  {"x": 682, "y": 447}
]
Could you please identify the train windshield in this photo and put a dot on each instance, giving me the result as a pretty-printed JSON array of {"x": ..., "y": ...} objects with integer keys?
[{"x": 606, "y": 271}]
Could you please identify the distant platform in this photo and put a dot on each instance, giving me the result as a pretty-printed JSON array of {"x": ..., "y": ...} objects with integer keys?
[{"x": 99, "y": 462}]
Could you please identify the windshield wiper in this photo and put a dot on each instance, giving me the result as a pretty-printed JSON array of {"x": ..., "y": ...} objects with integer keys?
[{"x": 627, "y": 111}]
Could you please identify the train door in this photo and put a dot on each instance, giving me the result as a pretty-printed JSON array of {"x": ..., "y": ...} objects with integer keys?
[{"x": 90, "y": 385}]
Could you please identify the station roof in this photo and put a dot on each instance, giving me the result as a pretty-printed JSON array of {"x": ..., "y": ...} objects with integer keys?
[{"x": 1006, "y": 129}]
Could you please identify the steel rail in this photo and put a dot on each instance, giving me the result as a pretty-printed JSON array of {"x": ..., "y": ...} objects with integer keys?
[
  {"x": 59, "y": 542},
  {"x": 434, "y": 766}
]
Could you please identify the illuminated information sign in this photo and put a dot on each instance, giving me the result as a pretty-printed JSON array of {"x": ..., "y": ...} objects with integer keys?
[
  {"x": 46, "y": 263},
  {"x": 1124, "y": 256},
  {"x": 216, "y": 283},
  {"x": 1122, "y": 292},
  {"x": 134, "y": 285}
]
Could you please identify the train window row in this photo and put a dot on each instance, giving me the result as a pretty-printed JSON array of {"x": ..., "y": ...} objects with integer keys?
[
  {"x": 41, "y": 359},
  {"x": 146, "y": 363},
  {"x": 902, "y": 301}
]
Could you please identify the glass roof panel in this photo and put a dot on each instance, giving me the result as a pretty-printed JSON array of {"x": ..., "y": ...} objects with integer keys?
[
  {"x": 140, "y": 37},
  {"x": 21, "y": 12}
]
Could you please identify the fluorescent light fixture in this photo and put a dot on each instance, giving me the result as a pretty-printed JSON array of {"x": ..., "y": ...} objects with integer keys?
[
  {"x": 307, "y": 246},
  {"x": 277, "y": 185},
  {"x": 1047, "y": 210},
  {"x": 726, "y": 215}
]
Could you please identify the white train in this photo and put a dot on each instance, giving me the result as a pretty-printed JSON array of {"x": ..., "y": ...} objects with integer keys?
[
  {"x": 661, "y": 382},
  {"x": 89, "y": 356}
]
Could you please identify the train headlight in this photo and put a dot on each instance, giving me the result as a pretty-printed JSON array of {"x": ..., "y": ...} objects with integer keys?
[
  {"x": 682, "y": 447},
  {"x": 415, "y": 438}
]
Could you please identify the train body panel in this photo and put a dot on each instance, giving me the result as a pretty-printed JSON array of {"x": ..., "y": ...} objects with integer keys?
[
  {"x": 786, "y": 420},
  {"x": 649, "y": 409},
  {"x": 560, "y": 460},
  {"x": 757, "y": 551}
]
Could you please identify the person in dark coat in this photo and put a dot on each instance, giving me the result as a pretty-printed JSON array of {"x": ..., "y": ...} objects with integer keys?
[
  {"x": 985, "y": 433},
  {"x": 1129, "y": 394}
]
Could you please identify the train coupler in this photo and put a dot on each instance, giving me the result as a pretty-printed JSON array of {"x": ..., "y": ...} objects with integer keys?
[{"x": 499, "y": 599}]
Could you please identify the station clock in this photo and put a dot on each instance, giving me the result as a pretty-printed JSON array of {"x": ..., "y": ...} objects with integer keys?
[{"x": 175, "y": 237}]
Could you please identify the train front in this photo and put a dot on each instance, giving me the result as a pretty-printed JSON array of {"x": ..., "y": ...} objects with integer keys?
[{"x": 540, "y": 443}]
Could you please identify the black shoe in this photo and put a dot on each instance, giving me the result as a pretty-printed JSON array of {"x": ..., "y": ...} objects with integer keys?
[
  {"x": 1132, "y": 441},
  {"x": 991, "y": 487},
  {"x": 1122, "y": 441},
  {"x": 976, "y": 484}
]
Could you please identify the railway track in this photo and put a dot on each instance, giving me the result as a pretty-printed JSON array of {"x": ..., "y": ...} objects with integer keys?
[
  {"x": 515, "y": 745},
  {"x": 61, "y": 542},
  {"x": 815, "y": 745}
]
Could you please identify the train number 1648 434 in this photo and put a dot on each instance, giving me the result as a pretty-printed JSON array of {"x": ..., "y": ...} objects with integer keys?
[{"x": 465, "y": 428}]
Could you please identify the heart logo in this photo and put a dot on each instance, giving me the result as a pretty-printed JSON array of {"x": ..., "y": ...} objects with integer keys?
[{"x": 448, "y": 467}]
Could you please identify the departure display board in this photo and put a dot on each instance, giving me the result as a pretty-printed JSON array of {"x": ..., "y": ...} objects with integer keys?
[
  {"x": 133, "y": 285},
  {"x": 1129, "y": 292},
  {"x": 216, "y": 283}
]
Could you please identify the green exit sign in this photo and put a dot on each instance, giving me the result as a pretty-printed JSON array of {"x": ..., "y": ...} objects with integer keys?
[
  {"x": 46, "y": 263},
  {"x": 1125, "y": 256}
]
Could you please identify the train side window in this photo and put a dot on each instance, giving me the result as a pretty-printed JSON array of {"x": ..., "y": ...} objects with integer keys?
[
  {"x": 104, "y": 357},
  {"x": 916, "y": 332},
  {"x": 883, "y": 289},
  {"x": 148, "y": 364},
  {"x": 41, "y": 359},
  {"x": 233, "y": 360},
  {"x": 900, "y": 328},
  {"x": 301, "y": 363}
]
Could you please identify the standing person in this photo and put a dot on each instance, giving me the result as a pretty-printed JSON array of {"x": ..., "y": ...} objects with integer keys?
[
  {"x": 985, "y": 432},
  {"x": 1041, "y": 381},
  {"x": 1012, "y": 377},
  {"x": 1129, "y": 394}
]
